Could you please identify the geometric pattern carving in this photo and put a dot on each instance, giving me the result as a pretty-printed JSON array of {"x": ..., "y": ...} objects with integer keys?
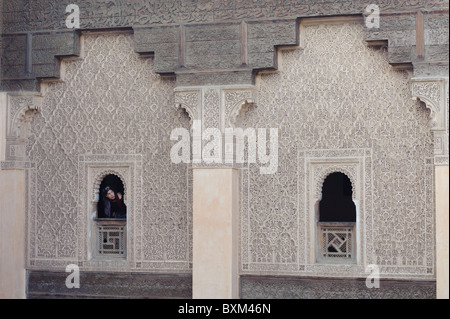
[
  {"x": 119, "y": 13},
  {"x": 189, "y": 101},
  {"x": 237, "y": 101},
  {"x": 337, "y": 241},
  {"x": 357, "y": 166},
  {"x": 160, "y": 29},
  {"x": 109, "y": 114},
  {"x": 339, "y": 106},
  {"x": 111, "y": 238},
  {"x": 331, "y": 117}
]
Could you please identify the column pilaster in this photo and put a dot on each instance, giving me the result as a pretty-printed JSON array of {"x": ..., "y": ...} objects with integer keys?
[
  {"x": 212, "y": 110},
  {"x": 16, "y": 111},
  {"x": 434, "y": 93}
]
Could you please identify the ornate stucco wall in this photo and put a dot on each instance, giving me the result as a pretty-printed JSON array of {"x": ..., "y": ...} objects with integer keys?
[
  {"x": 339, "y": 106},
  {"x": 191, "y": 36},
  {"x": 325, "y": 106},
  {"x": 78, "y": 104},
  {"x": 110, "y": 114}
]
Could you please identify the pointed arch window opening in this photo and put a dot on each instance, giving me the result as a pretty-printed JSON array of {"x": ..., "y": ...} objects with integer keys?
[
  {"x": 111, "y": 202},
  {"x": 110, "y": 222},
  {"x": 337, "y": 220}
]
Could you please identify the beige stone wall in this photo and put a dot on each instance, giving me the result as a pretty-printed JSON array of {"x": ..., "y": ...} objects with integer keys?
[
  {"x": 12, "y": 234},
  {"x": 3, "y": 102},
  {"x": 215, "y": 233},
  {"x": 442, "y": 235}
]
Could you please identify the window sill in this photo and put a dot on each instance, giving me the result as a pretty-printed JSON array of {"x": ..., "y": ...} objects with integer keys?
[
  {"x": 336, "y": 224},
  {"x": 110, "y": 221}
]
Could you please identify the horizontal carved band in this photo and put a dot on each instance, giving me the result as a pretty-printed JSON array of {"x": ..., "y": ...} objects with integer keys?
[
  {"x": 255, "y": 287},
  {"x": 45, "y": 284},
  {"x": 16, "y": 165}
]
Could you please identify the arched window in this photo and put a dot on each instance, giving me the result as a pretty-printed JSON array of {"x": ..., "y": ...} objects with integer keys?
[
  {"x": 111, "y": 203},
  {"x": 110, "y": 223},
  {"x": 337, "y": 219},
  {"x": 337, "y": 203}
]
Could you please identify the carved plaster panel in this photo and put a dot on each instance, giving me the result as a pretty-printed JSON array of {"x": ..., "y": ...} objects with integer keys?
[
  {"x": 120, "y": 13},
  {"x": 110, "y": 113},
  {"x": 435, "y": 94},
  {"x": 340, "y": 100},
  {"x": 20, "y": 110},
  {"x": 216, "y": 107},
  {"x": 213, "y": 107},
  {"x": 190, "y": 101},
  {"x": 357, "y": 166},
  {"x": 298, "y": 222},
  {"x": 237, "y": 101},
  {"x": 432, "y": 93}
]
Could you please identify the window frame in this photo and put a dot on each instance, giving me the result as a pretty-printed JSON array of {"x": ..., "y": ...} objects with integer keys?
[
  {"x": 320, "y": 171},
  {"x": 92, "y": 170}
]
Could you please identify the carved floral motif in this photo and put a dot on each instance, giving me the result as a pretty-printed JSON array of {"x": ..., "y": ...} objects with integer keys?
[
  {"x": 109, "y": 110},
  {"x": 336, "y": 99}
]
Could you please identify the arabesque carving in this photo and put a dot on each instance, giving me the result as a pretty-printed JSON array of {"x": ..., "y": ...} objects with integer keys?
[{"x": 333, "y": 101}]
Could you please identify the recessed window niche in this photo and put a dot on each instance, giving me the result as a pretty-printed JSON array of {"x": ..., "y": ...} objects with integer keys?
[
  {"x": 110, "y": 189},
  {"x": 337, "y": 220}
]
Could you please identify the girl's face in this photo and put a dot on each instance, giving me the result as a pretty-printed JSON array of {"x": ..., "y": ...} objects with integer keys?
[{"x": 110, "y": 195}]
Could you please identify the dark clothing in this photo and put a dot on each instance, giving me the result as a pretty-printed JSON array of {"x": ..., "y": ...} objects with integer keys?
[{"x": 112, "y": 208}]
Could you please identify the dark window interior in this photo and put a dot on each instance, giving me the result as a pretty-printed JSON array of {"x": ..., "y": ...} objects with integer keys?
[
  {"x": 115, "y": 183},
  {"x": 337, "y": 204}
]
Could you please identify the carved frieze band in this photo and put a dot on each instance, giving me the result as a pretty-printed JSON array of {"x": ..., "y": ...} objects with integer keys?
[
  {"x": 16, "y": 165},
  {"x": 120, "y": 13}
]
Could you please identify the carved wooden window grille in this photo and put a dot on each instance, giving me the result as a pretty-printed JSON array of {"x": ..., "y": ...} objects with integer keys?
[
  {"x": 111, "y": 238},
  {"x": 337, "y": 240}
]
